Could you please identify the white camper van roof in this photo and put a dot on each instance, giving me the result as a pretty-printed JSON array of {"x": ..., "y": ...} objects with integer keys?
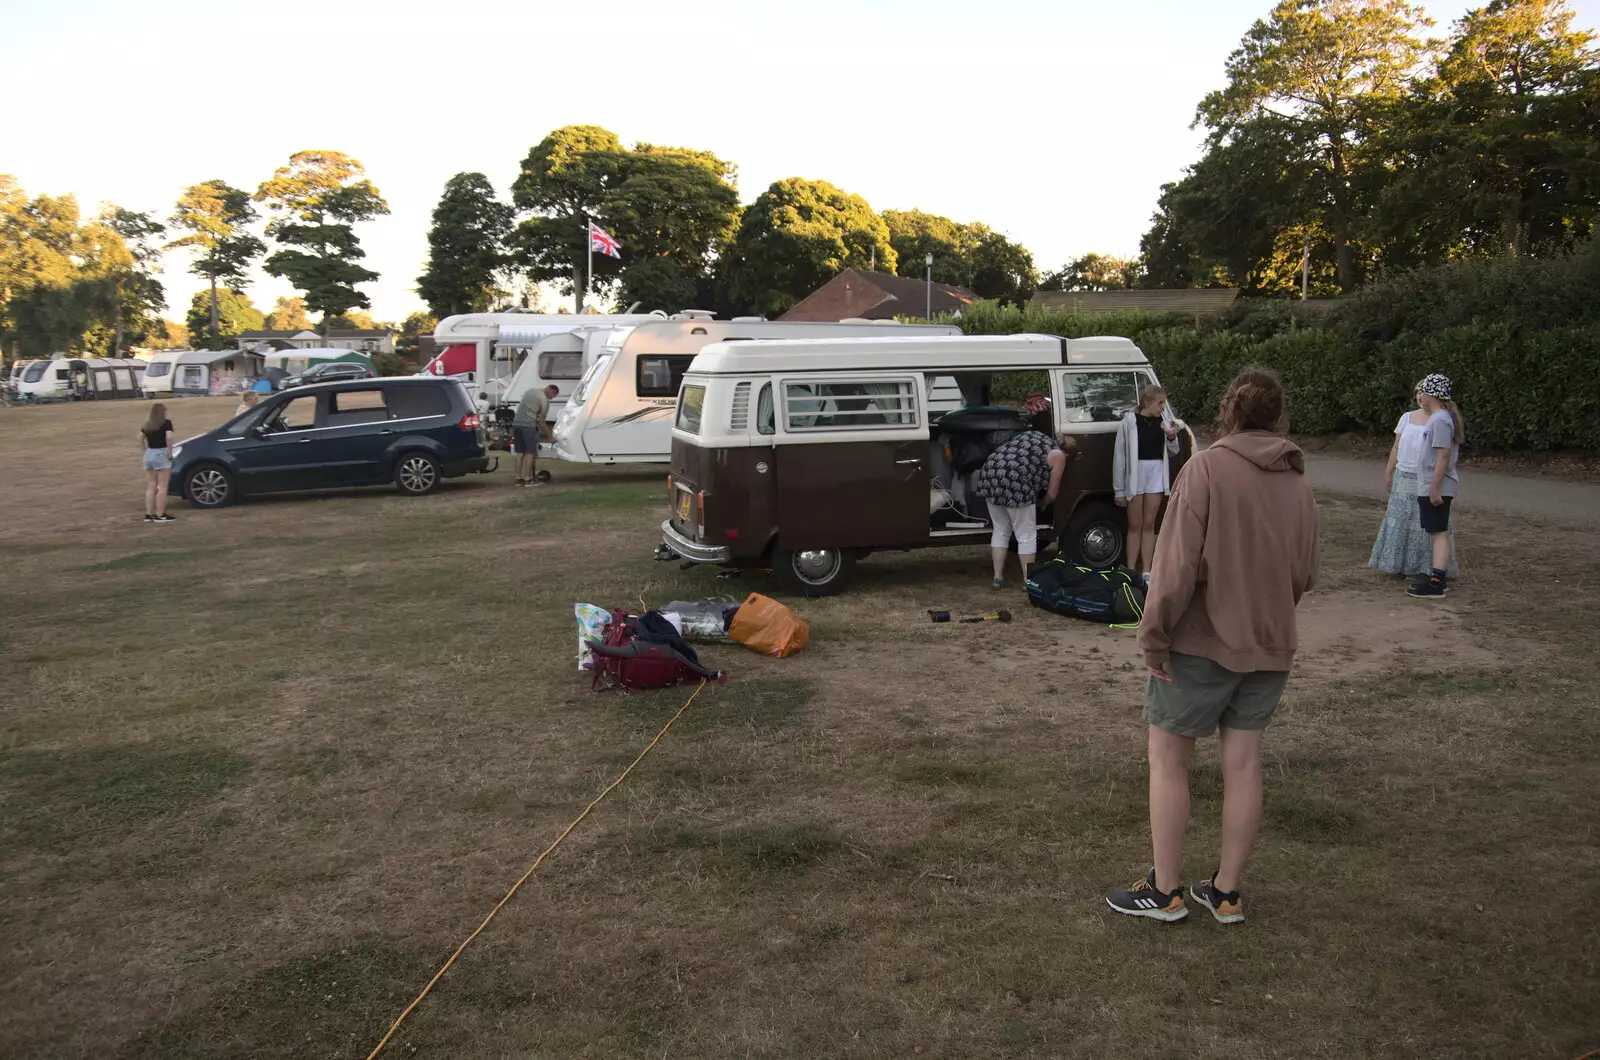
[
  {"x": 480, "y": 325},
  {"x": 934, "y": 352}
]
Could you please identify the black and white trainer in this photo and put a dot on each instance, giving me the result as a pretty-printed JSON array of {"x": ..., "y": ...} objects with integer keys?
[{"x": 1143, "y": 898}]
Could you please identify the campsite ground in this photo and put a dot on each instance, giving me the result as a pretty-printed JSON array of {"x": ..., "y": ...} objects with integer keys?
[{"x": 262, "y": 769}]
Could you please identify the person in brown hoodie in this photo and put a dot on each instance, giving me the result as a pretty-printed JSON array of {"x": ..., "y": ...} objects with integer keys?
[{"x": 1237, "y": 551}]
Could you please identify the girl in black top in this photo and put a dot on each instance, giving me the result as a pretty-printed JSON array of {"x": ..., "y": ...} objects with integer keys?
[{"x": 155, "y": 441}]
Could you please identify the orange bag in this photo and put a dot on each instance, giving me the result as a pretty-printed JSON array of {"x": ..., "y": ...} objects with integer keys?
[{"x": 766, "y": 626}]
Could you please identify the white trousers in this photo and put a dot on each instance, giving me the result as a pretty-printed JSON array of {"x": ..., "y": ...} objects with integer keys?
[{"x": 1024, "y": 521}]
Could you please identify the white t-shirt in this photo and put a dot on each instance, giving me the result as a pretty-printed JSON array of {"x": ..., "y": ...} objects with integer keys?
[{"x": 1413, "y": 444}]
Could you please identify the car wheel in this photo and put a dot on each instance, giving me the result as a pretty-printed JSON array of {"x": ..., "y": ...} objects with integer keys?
[
  {"x": 1096, "y": 534},
  {"x": 416, "y": 473},
  {"x": 208, "y": 486},
  {"x": 814, "y": 572}
]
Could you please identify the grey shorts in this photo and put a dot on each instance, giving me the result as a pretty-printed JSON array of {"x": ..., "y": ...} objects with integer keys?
[
  {"x": 526, "y": 440},
  {"x": 1205, "y": 695},
  {"x": 157, "y": 460}
]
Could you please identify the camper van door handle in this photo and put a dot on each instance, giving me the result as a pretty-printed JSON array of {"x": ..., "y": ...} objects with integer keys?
[{"x": 908, "y": 461}]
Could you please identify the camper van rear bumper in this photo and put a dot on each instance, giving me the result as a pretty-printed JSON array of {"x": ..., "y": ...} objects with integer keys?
[{"x": 691, "y": 551}]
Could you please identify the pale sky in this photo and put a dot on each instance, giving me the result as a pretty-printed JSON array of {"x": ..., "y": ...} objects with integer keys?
[{"x": 1053, "y": 122}]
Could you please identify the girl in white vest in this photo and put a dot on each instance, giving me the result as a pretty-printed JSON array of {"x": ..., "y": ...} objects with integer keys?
[{"x": 1146, "y": 442}]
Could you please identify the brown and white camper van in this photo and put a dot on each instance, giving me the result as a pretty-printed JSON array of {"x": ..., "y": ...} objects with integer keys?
[{"x": 804, "y": 456}]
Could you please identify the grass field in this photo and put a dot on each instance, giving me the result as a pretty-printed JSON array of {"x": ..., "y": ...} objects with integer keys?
[{"x": 263, "y": 768}]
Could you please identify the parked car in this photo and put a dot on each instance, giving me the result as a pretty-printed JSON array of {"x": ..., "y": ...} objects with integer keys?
[
  {"x": 329, "y": 372},
  {"x": 413, "y": 432}
]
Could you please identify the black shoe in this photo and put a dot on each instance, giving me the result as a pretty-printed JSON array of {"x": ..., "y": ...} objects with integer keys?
[
  {"x": 1226, "y": 906},
  {"x": 1431, "y": 589},
  {"x": 149, "y": 518},
  {"x": 163, "y": 519},
  {"x": 1142, "y": 899}
]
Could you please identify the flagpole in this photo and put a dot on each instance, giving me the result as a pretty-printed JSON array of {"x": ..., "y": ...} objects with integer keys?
[{"x": 588, "y": 277}]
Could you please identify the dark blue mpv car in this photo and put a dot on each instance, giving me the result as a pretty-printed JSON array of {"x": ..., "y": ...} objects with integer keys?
[{"x": 412, "y": 431}]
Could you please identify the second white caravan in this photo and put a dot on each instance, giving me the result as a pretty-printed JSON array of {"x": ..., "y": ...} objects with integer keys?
[{"x": 622, "y": 410}]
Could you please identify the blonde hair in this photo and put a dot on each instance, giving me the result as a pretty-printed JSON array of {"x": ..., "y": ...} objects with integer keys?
[
  {"x": 1149, "y": 394},
  {"x": 1067, "y": 444},
  {"x": 158, "y": 416},
  {"x": 1458, "y": 420}
]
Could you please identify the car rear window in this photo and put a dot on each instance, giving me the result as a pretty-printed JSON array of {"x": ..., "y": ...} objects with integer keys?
[{"x": 408, "y": 402}]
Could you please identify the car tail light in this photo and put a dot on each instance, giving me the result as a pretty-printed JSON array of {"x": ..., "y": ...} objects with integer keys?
[{"x": 469, "y": 422}]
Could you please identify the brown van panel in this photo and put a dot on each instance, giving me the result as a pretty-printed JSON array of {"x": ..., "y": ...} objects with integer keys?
[
  {"x": 852, "y": 495},
  {"x": 739, "y": 497}
]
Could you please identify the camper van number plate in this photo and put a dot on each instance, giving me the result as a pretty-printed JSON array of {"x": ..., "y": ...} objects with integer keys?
[{"x": 683, "y": 506}]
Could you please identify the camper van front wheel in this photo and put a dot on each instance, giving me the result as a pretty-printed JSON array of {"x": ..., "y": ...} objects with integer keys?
[
  {"x": 814, "y": 572},
  {"x": 208, "y": 486},
  {"x": 1095, "y": 534}
]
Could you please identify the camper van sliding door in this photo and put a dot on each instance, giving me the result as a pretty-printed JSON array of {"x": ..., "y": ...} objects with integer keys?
[{"x": 851, "y": 463}]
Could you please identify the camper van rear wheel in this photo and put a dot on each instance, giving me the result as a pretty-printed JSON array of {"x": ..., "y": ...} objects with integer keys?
[
  {"x": 814, "y": 572},
  {"x": 208, "y": 486},
  {"x": 1095, "y": 534},
  {"x": 416, "y": 474}
]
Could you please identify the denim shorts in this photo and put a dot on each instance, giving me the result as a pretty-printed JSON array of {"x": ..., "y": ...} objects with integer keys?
[{"x": 157, "y": 460}]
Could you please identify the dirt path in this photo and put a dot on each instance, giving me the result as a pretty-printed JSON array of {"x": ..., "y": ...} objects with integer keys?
[{"x": 1542, "y": 498}]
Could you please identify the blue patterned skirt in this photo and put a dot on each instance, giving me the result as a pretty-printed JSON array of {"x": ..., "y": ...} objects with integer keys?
[{"x": 1402, "y": 546}]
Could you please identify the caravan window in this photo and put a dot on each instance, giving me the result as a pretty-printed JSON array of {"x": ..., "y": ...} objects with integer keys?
[
  {"x": 561, "y": 365},
  {"x": 660, "y": 375},
  {"x": 158, "y": 369},
  {"x": 1100, "y": 397},
  {"x": 35, "y": 371},
  {"x": 692, "y": 408},
  {"x": 824, "y": 405},
  {"x": 596, "y": 372}
]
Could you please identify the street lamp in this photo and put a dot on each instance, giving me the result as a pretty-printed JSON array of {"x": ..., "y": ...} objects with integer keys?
[{"x": 928, "y": 260}]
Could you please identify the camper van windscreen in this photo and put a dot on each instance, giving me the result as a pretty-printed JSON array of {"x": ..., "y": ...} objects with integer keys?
[{"x": 157, "y": 369}]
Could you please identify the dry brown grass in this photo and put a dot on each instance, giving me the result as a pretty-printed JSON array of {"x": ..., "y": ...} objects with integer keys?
[{"x": 261, "y": 770}]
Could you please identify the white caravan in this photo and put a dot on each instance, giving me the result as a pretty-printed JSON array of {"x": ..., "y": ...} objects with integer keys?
[
  {"x": 158, "y": 373},
  {"x": 470, "y": 345},
  {"x": 622, "y": 411},
  {"x": 103, "y": 377}
]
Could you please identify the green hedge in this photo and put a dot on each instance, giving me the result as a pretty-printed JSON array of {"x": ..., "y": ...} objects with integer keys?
[{"x": 1520, "y": 339}]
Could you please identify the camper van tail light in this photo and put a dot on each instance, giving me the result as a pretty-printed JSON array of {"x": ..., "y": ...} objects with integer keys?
[
  {"x": 469, "y": 422},
  {"x": 700, "y": 506}
]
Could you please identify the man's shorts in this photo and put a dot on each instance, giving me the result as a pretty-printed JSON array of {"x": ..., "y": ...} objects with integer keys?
[
  {"x": 525, "y": 439},
  {"x": 1435, "y": 520},
  {"x": 1205, "y": 695}
]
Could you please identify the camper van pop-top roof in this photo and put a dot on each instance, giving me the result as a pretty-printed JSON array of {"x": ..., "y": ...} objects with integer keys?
[{"x": 929, "y": 352}]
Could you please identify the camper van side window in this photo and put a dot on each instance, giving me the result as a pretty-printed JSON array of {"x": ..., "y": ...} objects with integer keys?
[
  {"x": 1100, "y": 397},
  {"x": 660, "y": 376},
  {"x": 849, "y": 405},
  {"x": 766, "y": 422},
  {"x": 691, "y": 409}
]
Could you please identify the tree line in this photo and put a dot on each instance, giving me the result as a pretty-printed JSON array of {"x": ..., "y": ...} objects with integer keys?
[
  {"x": 686, "y": 239},
  {"x": 71, "y": 284},
  {"x": 1351, "y": 145}
]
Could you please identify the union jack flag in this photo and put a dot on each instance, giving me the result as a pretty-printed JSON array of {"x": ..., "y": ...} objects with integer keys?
[{"x": 603, "y": 241}]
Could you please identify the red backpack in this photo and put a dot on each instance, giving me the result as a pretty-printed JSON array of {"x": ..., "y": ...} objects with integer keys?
[{"x": 645, "y": 651}]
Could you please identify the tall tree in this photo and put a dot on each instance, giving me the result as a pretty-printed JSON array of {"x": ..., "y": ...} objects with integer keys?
[
  {"x": 136, "y": 295},
  {"x": 466, "y": 247},
  {"x": 214, "y": 215},
  {"x": 315, "y": 202},
  {"x": 288, "y": 314},
  {"x": 674, "y": 210},
  {"x": 798, "y": 235},
  {"x": 563, "y": 185},
  {"x": 48, "y": 301},
  {"x": 1326, "y": 67},
  {"x": 1094, "y": 272},
  {"x": 235, "y": 312},
  {"x": 1000, "y": 269},
  {"x": 914, "y": 234}
]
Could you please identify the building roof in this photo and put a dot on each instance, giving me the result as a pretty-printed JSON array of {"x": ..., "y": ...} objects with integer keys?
[
  {"x": 859, "y": 294},
  {"x": 360, "y": 333},
  {"x": 1193, "y": 300},
  {"x": 290, "y": 334}
]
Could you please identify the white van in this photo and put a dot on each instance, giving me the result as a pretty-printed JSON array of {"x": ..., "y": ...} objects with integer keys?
[
  {"x": 622, "y": 411},
  {"x": 469, "y": 345}
]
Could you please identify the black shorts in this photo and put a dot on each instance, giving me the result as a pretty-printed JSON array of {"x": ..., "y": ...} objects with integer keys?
[
  {"x": 526, "y": 439},
  {"x": 1435, "y": 520}
]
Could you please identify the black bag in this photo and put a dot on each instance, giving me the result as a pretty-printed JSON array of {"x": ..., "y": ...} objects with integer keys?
[{"x": 1114, "y": 596}]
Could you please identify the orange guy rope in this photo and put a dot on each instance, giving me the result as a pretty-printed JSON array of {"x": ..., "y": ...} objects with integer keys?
[{"x": 531, "y": 868}]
